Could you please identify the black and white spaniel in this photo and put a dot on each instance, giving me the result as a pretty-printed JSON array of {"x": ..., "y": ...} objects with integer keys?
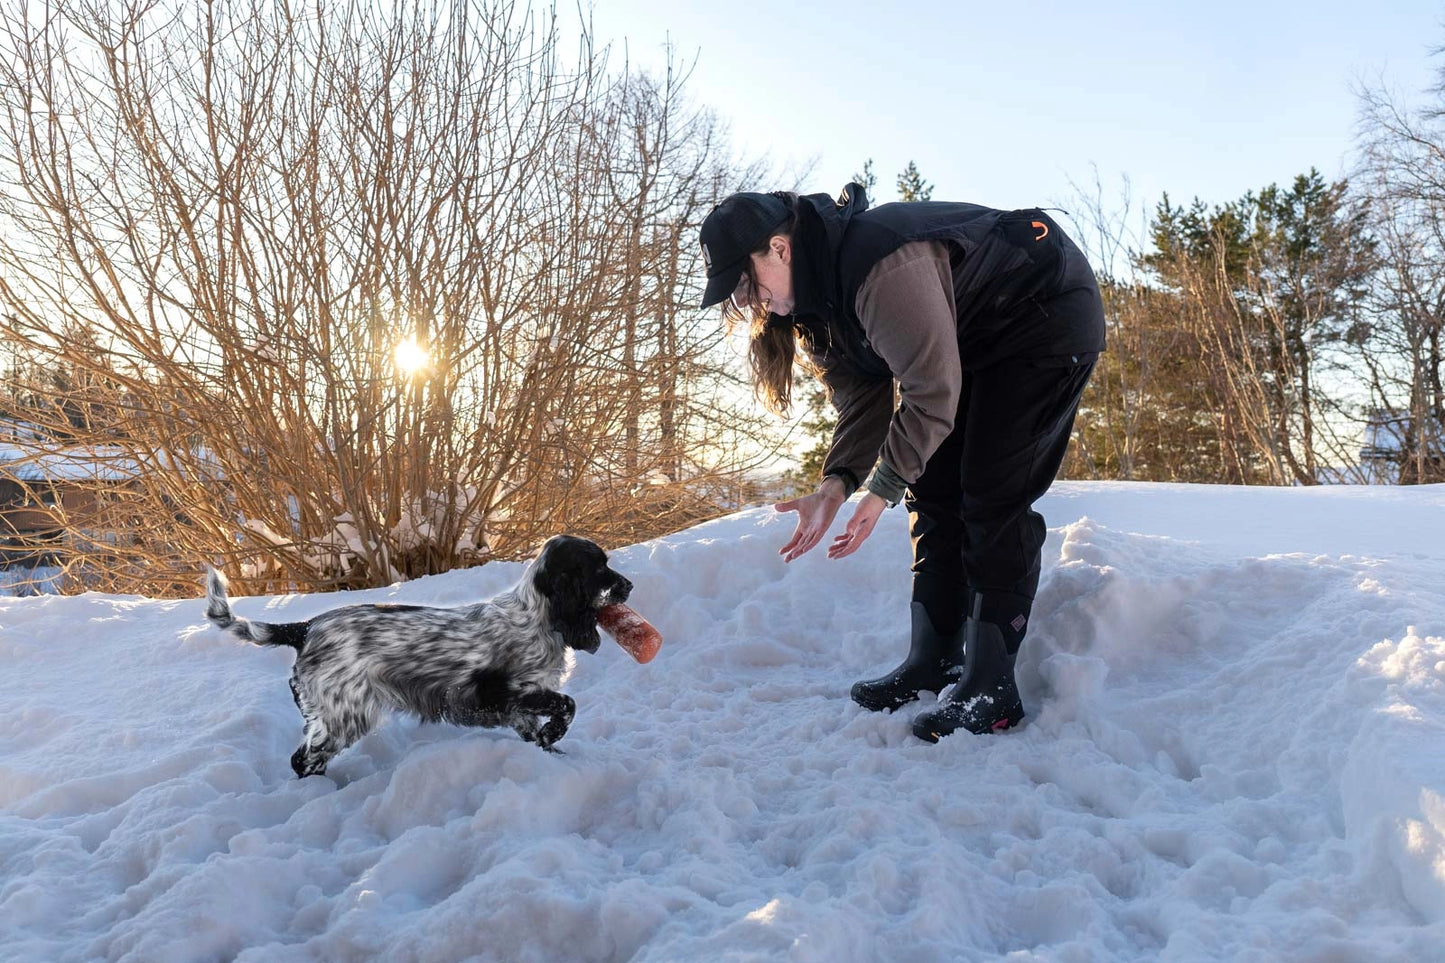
[{"x": 496, "y": 663}]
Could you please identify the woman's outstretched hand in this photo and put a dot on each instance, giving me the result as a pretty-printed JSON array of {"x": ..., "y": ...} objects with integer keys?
[
  {"x": 860, "y": 526},
  {"x": 815, "y": 515}
]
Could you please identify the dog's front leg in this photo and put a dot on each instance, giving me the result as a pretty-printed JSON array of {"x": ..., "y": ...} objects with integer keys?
[{"x": 531, "y": 706}]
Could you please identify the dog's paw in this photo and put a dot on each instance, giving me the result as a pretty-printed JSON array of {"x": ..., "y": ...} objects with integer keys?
[
  {"x": 549, "y": 734},
  {"x": 305, "y": 763},
  {"x": 552, "y": 732}
]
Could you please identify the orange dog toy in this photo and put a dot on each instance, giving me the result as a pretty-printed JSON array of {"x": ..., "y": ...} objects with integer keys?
[{"x": 631, "y": 631}]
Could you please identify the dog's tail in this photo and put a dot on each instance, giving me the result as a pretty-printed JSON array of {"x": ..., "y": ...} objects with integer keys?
[{"x": 218, "y": 610}]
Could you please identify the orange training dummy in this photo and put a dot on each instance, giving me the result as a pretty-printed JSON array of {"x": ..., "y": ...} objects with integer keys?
[{"x": 631, "y": 631}]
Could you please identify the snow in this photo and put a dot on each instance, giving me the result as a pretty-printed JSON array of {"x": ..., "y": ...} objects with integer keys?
[
  {"x": 23, "y": 579},
  {"x": 40, "y": 462},
  {"x": 1235, "y": 749}
]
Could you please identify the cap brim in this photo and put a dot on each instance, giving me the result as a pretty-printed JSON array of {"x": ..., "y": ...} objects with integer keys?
[{"x": 721, "y": 286}]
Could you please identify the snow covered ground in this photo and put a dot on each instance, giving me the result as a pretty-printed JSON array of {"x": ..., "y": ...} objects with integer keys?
[
  {"x": 29, "y": 580},
  {"x": 1235, "y": 750}
]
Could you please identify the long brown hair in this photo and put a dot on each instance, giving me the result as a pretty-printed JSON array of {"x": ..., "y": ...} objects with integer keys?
[{"x": 772, "y": 345}]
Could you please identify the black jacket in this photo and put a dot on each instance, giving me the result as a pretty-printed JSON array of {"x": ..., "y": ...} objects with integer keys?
[
  {"x": 1006, "y": 266},
  {"x": 1020, "y": 289}
]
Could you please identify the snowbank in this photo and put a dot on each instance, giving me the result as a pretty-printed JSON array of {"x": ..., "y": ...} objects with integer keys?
[{"x": 1233, "y": 751}]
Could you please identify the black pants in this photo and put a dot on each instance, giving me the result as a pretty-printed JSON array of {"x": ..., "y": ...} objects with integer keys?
[{"x": 971, "y": 513}]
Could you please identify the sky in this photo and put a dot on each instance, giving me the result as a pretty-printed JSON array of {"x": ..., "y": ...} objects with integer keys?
[
  {"x": 1234, "y": 749},
  {"x": 1012, "y": 104}
]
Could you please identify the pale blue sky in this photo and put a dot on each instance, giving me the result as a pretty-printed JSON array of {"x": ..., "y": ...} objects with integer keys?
[{"x": 1003, "y": 103}]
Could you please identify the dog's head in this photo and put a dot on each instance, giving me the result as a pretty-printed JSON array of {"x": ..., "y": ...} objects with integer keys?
[{"x": 572, "y": 574}]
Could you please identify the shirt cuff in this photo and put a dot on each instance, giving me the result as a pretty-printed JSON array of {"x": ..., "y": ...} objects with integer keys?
[
  {"x": 886, "y": 483},
  {"x": 849, "y": 480}
]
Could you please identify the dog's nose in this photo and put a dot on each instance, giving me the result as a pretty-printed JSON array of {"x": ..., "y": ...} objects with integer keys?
[{"x": 623, "y": 588}]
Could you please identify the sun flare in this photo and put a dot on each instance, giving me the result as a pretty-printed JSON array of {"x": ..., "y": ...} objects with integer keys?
[{"x": 411, "y": 358}]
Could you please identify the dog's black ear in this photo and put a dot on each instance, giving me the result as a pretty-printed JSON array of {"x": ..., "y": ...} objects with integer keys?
[
  {"x": 580, "y": 634},
  {"x": 564, "y": 575}
]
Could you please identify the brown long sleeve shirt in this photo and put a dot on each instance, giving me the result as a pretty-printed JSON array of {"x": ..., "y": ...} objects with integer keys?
[{"x": 906, "y": 306}]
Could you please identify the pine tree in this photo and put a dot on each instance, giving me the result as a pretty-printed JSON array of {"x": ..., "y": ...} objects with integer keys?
[
  {"x": 868, "y": 179},
  {"x": 1276, "y": 279},
  {"x": 817, "y": 426},
  {"x": 912, "y": 186}
]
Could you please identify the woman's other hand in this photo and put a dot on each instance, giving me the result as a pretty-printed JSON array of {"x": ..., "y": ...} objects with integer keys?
[
  {"x": 860, "y": 526},
  {"x": 815, "y": 514}
]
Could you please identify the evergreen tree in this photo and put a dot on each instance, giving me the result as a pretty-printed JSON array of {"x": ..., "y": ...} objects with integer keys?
[
  {"x": 1292, "y": 264},
  {"x": 912, "y": 186},
  {"x": 819, "y": 420},
  {"x": 817, "y": 426},
  {"x": 868, "y": 179}
]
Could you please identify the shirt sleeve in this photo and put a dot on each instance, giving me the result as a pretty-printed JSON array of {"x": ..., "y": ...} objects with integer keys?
[
  {"x": 906, "y": 306},
  {"x": 864, "y": 406}
]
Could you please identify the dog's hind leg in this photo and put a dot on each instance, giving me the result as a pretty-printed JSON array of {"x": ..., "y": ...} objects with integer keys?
[
  {"x": 316, "y": 750},
  {"x": 322, "y": 738},
  {"x": 311, "y": 760},
  {"x": 311, "y": 756}
]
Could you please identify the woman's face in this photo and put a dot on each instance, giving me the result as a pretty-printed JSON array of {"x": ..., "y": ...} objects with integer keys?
[{"x": 771, "y": 284}]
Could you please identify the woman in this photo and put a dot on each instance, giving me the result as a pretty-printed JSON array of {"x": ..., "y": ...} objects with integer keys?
[{"x": 989, "y": 323}]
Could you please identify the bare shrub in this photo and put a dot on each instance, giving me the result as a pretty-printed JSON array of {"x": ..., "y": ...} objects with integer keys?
[{"x": 231, "y": 215}]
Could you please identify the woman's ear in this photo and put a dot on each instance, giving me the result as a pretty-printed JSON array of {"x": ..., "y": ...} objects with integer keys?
[{"x": 782, "y": 246}]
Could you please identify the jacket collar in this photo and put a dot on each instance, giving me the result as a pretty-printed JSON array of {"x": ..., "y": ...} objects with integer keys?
[{"x": 822, "y": 221}]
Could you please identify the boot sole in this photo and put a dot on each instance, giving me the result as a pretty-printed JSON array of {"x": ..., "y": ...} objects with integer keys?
[
  {"x": 892, "y": 705},
  {"x": 927, "y": 734}
]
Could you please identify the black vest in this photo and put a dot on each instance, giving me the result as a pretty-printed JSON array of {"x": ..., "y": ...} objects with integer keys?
[{"x": 1009, "y": 269}]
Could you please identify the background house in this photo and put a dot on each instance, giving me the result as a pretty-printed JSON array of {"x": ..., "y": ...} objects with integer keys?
[
  {"x": 1389, "y": 451},
  {"x": 50, "y": 491}
]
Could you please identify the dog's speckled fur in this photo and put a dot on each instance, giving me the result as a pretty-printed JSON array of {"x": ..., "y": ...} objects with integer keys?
[{"x": 496, "y": 663}]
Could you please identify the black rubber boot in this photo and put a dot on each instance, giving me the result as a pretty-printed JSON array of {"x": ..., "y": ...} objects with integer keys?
[
  {"x": 986, "y": 699},
  {"x": 934, "y": 661}
]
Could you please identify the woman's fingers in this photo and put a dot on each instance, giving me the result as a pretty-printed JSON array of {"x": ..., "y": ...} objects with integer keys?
[
  {"x": 807, "y": 540},
  {"x": 811, "y": 536},
  {"x": 845, "y": 544},
  {"x": 793, "y": 505},
  {"x": 860, "y": 526},
  {"x": 798, "y": 544},
  {"x": 815, "y": 515},
  {"x": 841, "y": 544},
  {"x": 806, "y": 535}
]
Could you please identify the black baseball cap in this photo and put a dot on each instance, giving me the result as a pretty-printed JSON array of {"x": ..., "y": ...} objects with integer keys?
[{"x": 733, "y": 230}]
